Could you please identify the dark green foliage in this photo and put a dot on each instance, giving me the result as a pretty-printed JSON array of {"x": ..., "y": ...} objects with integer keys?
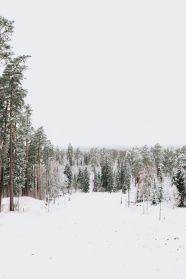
[
  {"x": 117, "y": 181},
  {"x": 107, "y": 174},
  {"x": 179, "y": 179},
  {"x": 86, "y": 158},
  {"x": 86, "y": 181},
  {"x": 68, "y": 173},
  {"x": 6, "y": 30},
  {"x": 80, "y": 179},
  {"x": 13, "y": 95}
]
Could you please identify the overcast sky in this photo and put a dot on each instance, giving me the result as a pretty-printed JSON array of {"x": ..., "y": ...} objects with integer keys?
[{"x": 104, "y": 72}]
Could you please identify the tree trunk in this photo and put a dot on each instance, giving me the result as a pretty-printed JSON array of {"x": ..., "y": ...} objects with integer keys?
[
  {"x": 1, "y": 185},
  {"x": 39, "y": 174},
  {"x": 3, "y": 155},
  {"x": 35, "y": 182},
  {"x": 11, "y": 161},
  {"x": 26, "y": 171},
  {"x": 46, "y": 179}
]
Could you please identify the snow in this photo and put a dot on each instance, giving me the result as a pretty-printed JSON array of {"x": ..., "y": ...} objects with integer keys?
[{"x": 92, "y": 235}]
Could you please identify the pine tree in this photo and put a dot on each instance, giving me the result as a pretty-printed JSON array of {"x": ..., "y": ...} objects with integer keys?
[
  {"x": 4, "y": 139},
  {"x": 74, "y": 182},
  {"x": 27, "y": 133},
  {"x": 114, "y": 188},
  {"x": 118, "y": 181},
  {"x": 122, "y": 176},
  {"x": 48, "y": 155},
  {"x": 6, "y": 31},
  {"x": 107, "y": 173},
  {"x": 154, "y": 194},
  {"x": 68, "y": 173},
  {"x": 77, "y": 154},
  {"x": 179, "y": 179},
  {"x": 86, "y": 158},
  {"x": 86, "y": 180},
  {"x": 80, "y": 179},
  {"x": 126, "y": 178},
  {"x": 95, "y": 187},
  {"x": 158, "y": 156},
  {"x": 169, "y": 161},
  {"x": 39, "y": 141},
  {"x": 147, "y": 156},
  {"x": 94, "y": 157},
  {"x": 32, "y": 164},
  {"x": 134, "y": 158},
  {"x": 70, "y": 154},
  {"x": 147, "y": 178},
  {"x": 19, "y": 160},
  {"x": 14, "y": 94},
  {"x": 54, "y": 186}
]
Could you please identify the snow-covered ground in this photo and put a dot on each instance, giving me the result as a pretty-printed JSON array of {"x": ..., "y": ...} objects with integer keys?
[{"x": 92, "y": 236}]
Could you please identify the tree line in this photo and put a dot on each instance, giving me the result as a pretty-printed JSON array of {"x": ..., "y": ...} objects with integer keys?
[
  {"x": 147, "y": 169},
  {"x": 31, "y": 166}
]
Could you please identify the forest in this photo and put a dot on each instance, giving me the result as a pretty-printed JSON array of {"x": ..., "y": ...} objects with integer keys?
[{"x": 31, "y": 166}]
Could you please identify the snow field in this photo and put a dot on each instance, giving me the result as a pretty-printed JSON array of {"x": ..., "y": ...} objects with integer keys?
[{"x": 93, "y": 236}]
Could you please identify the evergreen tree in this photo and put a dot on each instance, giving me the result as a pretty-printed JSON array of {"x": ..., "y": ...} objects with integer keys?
[
  {"x": 14, "y": 94},
  {"x": 6, "y": 31},
  {"x": 19, "y": 160},
  {"x": 158, "y": 155},
  {"x": 94, "y": 157},
  {"x": 54, "y": 186},
  {"x": 126, "y": 178},
  {"x": 134, "y": 158},
  {"x": 39, "y": 141},
  {"x": 80, "y": 178},
  {"x": 179, "y": 179},
  {"x": 27, "y": 133},
  {"x": 68, "y": 173},
  {"x": 154, "y": 194},
  {"x": 74, "y": 182},
  {"x": 77, "y": 155},
  {"x": 59, "y": 155},
  {"x": 70, "y": 154},
  {"x": 95, "y": 187},
  {"x": 117, "y": 181},
  {"x": 107, "y": 173},
  {"x": 86, "y": 180},
  {"x": 122, "y": 176},
  {"x": 147, "y": 156},
  {"x": 48, "y": 155},
  {"x": 169, "y": 161},
  {"x": 114, "y": 188},
  {"x": 99, "y": 185},
  {"x": 4, "y": 140},
  {"x": 148, "y": 178},
  {"x": 86, "y": 158}
]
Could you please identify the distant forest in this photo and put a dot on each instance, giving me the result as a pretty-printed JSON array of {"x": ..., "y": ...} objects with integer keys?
[{"x": 31, "y": 166}]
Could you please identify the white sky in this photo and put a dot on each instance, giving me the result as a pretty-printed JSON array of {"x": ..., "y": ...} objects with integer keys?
[{"x": 104, "y": 72}]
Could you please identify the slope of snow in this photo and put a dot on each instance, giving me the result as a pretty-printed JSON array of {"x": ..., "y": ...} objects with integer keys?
[
  {"x": 93, "y": 235},
  {"x": 25, "y": 204}
]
